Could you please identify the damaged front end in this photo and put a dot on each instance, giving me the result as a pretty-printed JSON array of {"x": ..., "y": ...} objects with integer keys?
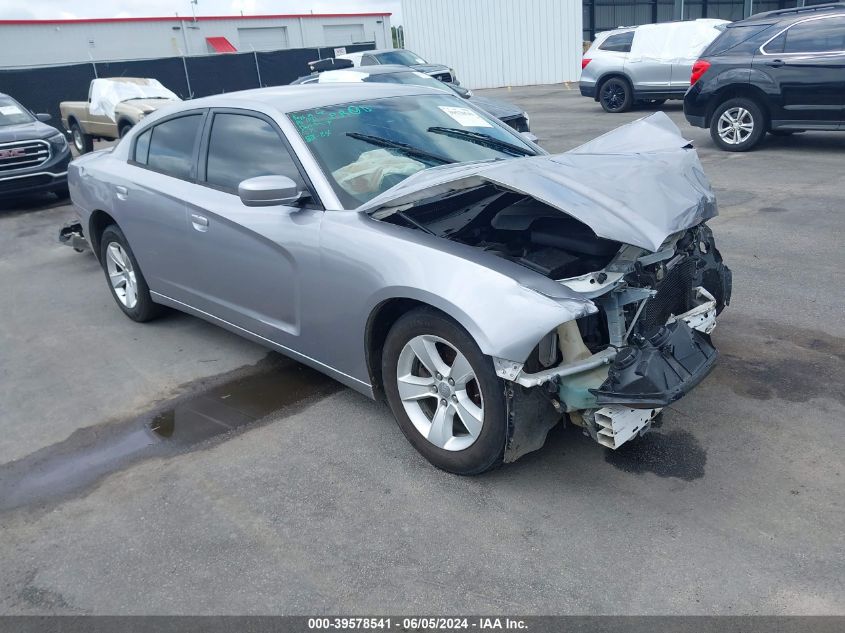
[
  {"x": 621, "y": 223},
  {"x": 612, "y": 372}
]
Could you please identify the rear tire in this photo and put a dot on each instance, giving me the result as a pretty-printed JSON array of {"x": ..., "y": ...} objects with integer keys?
[
  {"x": 737, "y": 125},
  {"x": 123, "y": 130},
  {"x": 615, "y": 95},
  {"x": 458, "y": 421},
  {"x": 81, "y": 141},
  {"x": 126, "y": 282}
]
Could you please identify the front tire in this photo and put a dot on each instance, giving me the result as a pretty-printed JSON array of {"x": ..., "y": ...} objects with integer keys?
[
  {"x": 123, "y": 130},
  {"x": 444, "y": 393},
  {"x": 126, "y": 282},
  {"x": 81, "y": 141},
  {"x": 615, "y": 95},
  {"x": 737, "y": 125}
]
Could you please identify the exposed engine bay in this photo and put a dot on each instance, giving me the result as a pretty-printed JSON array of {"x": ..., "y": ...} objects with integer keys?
[
  {"x": 613, "y": 371},
  {"x": 515, "y": 227}
]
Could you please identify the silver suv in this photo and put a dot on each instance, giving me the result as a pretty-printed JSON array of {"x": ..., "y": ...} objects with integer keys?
[{"x": 644, "y": 64}]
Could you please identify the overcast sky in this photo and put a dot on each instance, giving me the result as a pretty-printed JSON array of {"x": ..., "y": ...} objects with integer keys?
[{"x": 63, "y": 9}]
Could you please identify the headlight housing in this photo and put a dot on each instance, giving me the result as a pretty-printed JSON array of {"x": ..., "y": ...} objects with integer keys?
[{"x": 58, "y": 142}]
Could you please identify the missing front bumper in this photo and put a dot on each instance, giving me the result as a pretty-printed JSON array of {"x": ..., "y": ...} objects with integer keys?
[
  {"x": 701, "y": 318},
  {"x": 614, "y": 394},
  {"x": 71, "y": 235},
  {"x": 655, "y": 372}
]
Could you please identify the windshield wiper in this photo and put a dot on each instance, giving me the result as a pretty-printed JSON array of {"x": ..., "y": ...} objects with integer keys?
[
  {"x": 482, "y": 139},
  {"x": 403, "y": 147}
]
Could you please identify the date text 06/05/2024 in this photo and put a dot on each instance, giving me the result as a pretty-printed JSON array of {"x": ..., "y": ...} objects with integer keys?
[{"x": 416, "y": 623}]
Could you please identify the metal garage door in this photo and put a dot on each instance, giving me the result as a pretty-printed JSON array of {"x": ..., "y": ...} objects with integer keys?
[
  {"x": 270, "y": 38},
  {"x": 335, "y": 34}
]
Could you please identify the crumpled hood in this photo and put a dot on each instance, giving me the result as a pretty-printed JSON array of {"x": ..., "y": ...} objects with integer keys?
[
  {"x": 496, "y": 107},
  {"x": 637, "y": 184},
  {"x": 26, "y": 131}
]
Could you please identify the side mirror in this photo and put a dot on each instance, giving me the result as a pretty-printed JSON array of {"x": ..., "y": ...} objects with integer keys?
[
  {"x": 268, "y": 191},
  {"x": 528, "y": 136},
  {"x": 43, "y": 117}
]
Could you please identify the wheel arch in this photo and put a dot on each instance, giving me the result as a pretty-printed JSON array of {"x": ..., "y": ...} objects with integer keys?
[
  {"x": 734, "y": 91},
  {"x": 613, "y": 74},
  {"x": 97, "y": 223},
  {"x": 124, "y": 121},
  {"x": 71, "y": 121},
  {"x": 382, "y": 317}
]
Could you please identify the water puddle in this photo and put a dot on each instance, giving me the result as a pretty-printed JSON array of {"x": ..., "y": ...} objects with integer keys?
[
  {"x": 676, "y": 454},
  {"x": 209, "y": 410}
]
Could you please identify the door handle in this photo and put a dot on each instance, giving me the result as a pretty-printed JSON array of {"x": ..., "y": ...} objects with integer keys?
[
  {"x": 199, "y": 222},
  {"x": 777, "y": 63},
  {"x": 122, "y": 192}
]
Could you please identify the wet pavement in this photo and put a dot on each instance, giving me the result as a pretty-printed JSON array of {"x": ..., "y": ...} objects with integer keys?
[
  {"x": 172, "y": 467},
  {"x": 229, "y": 404}
]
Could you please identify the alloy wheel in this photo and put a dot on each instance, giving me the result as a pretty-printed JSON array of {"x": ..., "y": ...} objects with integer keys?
[
  {"x": 122, "y": 275},
  {"x": 440, "y": 392},
  {"x": 735, "y": 125},
  {"x": 613, "y": 95}
]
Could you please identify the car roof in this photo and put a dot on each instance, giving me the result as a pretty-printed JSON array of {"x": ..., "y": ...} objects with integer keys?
[
  {"x": 657, "y": 25},
  {"x": 386, "y": 50},
  {"x": 304, "y": 96},
  {"x": 791, "y": 15},
  {"x": 381, "y": 69},
  {"x": 128, "y": 80}
]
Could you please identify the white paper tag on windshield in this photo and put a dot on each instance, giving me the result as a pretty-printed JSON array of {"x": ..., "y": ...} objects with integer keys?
[
  {"x": 465, "y": 117},
  {"x": 10, "y": 109}
]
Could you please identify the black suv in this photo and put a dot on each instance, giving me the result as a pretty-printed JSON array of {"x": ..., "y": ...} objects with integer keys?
[{"x": 778, "y": 72}]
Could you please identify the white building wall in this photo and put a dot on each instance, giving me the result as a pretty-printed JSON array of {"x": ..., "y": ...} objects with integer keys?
[
  {"x": 492, "y": 43},
  {"x": 66, "y": 42}
]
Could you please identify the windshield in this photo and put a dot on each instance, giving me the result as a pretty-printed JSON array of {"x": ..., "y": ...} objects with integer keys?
[
  {"x": 412, "y": 77},
  {"x": 401, "y": 57},
  {"x": 13, "y": 113},
  {"x": 366, "y": 147}
]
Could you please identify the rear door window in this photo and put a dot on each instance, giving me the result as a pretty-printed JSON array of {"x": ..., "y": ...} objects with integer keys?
[
  {"x": 618, "y": 42},
  {"x": 814, "y": 36},
  {"x": 171, "y": 146}
]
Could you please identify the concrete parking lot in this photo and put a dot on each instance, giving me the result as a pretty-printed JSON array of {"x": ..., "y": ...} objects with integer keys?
[{"x": 316, "y": 503}]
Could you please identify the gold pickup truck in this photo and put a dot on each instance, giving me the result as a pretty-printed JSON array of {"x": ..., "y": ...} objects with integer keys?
[{"x": 114, "y": 105}]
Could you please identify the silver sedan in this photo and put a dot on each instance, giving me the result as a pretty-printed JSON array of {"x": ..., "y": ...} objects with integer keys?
[{"x": 415, "y": 248}]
